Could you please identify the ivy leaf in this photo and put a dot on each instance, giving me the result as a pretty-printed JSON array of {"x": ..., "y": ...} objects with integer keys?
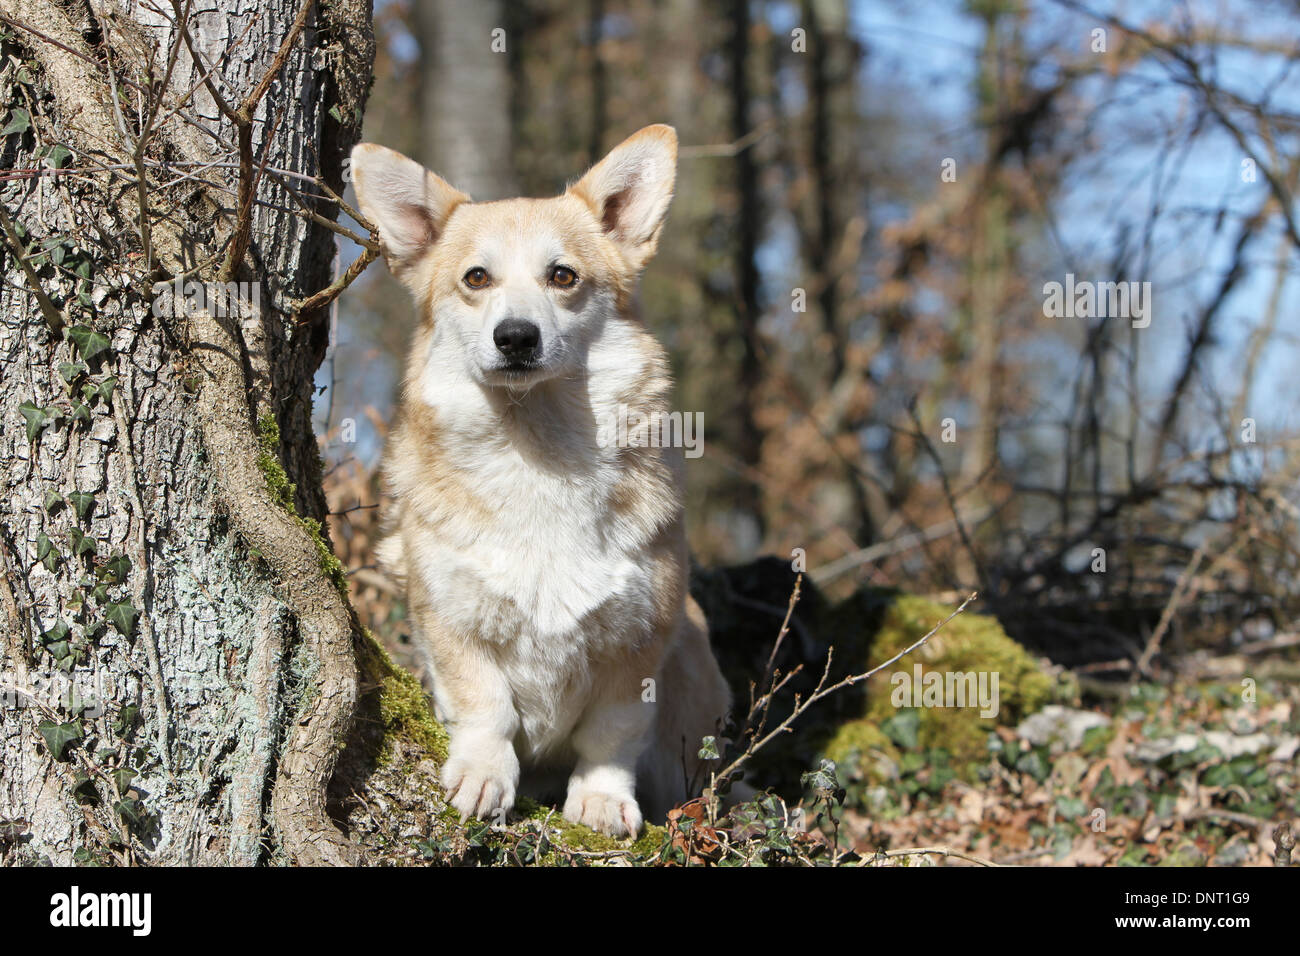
[
  {"x": 58, "y": 156},
  {"x": 46, "y": 553},
  {"x": 123, "y": 616},
  {"x": 88, "y": 342},
  {"x": 131, "y": 811},
  {"x": 58, "y": 736},
  {"x": 71, "y": 371},
  {"x": 105, "y": 389},
  {"x": 123, "y": 776},
  {"x": 904, "y": 727},
  {"x": 73, "y": 654},
  {"x": 83, "y": 502},
  {"x": 37, "y": 418},
  {"x": 118, "y": 567},
  {"x": 53, "y": 501},
  {"x": 59, "y": 632},
  {"x": 83, "y": 787},
  {"x": 84, "y": 857},
  {"x": 126, "y": 720},
  {"x": 82, "y": 543},
  {"x": 20, "y": 121},
  {"x": 73, "y": 702},
  {"x": 823, "y": 780},
  {"x": 80, "y": 412}
]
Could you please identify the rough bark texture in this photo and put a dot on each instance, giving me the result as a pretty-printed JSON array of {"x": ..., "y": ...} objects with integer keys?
[{"x": 201, "y": 461}]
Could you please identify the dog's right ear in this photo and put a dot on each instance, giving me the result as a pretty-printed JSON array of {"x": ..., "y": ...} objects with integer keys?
[{"x": 409, "y": 204}]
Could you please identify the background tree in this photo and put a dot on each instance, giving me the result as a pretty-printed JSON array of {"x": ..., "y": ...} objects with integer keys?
[{"x": 871, "y": 199}]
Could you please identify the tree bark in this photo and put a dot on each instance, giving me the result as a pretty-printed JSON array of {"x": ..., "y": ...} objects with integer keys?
[{"x": 208, "y": 627}]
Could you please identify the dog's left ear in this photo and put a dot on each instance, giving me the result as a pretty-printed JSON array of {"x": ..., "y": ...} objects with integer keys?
[{"x": 629, "y": 190}]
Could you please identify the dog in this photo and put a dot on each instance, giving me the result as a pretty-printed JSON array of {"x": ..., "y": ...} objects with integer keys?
[{"x": 544, "y": 564}]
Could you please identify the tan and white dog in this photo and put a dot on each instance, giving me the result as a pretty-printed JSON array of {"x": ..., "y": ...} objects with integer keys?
[{"x": 545, "y": 565}]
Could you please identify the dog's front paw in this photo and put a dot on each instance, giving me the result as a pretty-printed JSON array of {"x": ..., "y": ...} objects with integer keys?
[
  {"x": 616, "y": 814},
  {"x": 479, "y": 783}
]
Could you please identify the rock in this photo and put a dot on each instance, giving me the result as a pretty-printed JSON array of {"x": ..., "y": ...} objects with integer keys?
[
  {"x": 1150, "y": 751},
  {"x": 1235, "y": 852},
  {"x": 1061, "y": 728},
  {"x": 1286, "y": 749},
  {"x": 1229, "y": 745},
  {"x": 1232, "y": 745},
  {"x": 1187, "y": 854}
]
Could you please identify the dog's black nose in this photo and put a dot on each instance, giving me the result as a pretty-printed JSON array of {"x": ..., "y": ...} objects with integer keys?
[{"x": 517, "y": 339}]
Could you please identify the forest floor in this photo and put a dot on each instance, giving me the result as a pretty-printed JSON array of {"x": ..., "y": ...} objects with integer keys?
[{"x": 1181, "y": 775}]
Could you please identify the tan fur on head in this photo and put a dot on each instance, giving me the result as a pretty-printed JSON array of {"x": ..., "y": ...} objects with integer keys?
[{"x": 545, "y": 565}]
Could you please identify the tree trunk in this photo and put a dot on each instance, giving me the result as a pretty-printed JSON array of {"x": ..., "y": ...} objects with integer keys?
[
  {"x": 466, "y": 61},
  {"x": 160, "y": 544}
]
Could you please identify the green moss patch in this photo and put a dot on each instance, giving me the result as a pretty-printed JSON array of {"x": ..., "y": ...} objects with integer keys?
[
  {"x": 284, "y": 491},
  {"x": 399, "y": 704},
  {"x": 968, "y": 644}
]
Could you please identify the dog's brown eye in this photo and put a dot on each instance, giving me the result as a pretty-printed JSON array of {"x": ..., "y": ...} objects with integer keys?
[
  {"x": 564, "y": 277},
  {"x": 476, "y": 278}
]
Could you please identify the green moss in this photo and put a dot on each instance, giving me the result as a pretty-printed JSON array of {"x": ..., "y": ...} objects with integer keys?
[
  {"x": 284, "y": 492},
  {"x": 576, "y": 836},
  {"x": 329, "y": 561},
  {"x": 968, "y": 643},
  {"x": 268, "y": 460},
  {"x": 857, "y": 739},
  {"x": 403, "y": 709},
  {"x": 650, "y": 841}
]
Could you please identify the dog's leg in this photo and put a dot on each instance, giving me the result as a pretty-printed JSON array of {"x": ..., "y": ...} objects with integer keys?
[
  {"x": 609, "y": 740},
  {"x": 474, "y": 701},
  {"x": 482, "y": 769},
  {"x": 694, "y": 699}
]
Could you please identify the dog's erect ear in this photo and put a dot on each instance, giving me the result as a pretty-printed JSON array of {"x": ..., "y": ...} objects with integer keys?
[
  {"x": 409, "y": 204},
  {"x": 629, "y": 190}
]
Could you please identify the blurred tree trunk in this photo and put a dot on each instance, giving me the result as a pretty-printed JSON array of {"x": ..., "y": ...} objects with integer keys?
[
  {"x": 748, "y": 234},
  {"x": 466, "y": 93},
  {"x": 158, "y": 544},
  {"x": 988, "y": 257}
]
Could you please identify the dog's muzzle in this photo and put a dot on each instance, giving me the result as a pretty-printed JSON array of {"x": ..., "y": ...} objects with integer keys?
[{"x": 519, "y": 342}]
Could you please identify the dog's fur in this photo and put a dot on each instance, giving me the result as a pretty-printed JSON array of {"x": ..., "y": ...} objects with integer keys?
[{"x": 545, "y": 567}]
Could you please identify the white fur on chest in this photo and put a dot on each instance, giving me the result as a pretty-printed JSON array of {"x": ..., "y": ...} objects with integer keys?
[
  {"x": 554, "y": 575},
  {"x": 551, "y": 555}
]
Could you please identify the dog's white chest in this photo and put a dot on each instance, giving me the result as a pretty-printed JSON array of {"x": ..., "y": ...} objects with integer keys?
[
  {"x": 550, "y": 564},
  {"x": 551, "y": 580}
]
